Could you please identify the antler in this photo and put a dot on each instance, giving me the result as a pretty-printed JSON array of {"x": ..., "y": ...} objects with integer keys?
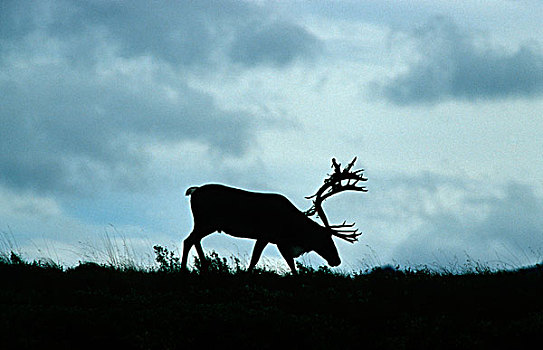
[{"x": 333, "y": 185}]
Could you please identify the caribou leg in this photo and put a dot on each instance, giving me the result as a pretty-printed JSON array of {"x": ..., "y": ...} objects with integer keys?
[
  {"x": 193, "y": 240},
  {"x": 288, "y": 258},
  {"x": 257, "y": 251}
]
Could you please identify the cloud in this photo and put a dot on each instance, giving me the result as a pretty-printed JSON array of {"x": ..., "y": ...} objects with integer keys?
[
  {"x": 277, "y": 44},
  {"x": 70, "y": 122},
  {"x": 87, "y": 86},
  {"x": 61, "y": 123},
  {"x": 180, "y": 33},
  {"x": 186, "y": 33},
  {"x": 453, "y": 66}
]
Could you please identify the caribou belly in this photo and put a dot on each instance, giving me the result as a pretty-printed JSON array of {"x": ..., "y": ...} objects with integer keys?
[{"x": 296, "y": 251}]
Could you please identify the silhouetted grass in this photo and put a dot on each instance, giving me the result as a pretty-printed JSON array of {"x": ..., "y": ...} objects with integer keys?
[{"x": 95, "y": 306}]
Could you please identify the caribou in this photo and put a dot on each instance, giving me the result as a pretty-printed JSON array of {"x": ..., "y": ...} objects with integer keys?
[{"x": 272, "y": 218}]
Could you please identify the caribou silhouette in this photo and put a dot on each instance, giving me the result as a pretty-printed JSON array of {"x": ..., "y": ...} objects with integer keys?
[{"x": 272, "y": 218}]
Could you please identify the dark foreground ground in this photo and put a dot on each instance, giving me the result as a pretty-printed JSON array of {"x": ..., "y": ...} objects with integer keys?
[{"x": 97, "y": 307}]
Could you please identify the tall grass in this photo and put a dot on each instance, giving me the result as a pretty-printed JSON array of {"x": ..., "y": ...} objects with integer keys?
[
  {"x": 8, "y": 245},
  {"x": 112, "y": 248}
]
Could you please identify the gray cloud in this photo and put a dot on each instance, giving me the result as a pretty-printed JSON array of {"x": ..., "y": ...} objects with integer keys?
[
  {"x": 87, "y": 85},
  {"x": 60, "y": 123},
  {"x": 177, "y": 32},
  {"x": 183, "y": 33},
  {"x": 180, "y": 33},
  {"x": 277, "y": 44},
  {"x": 452, "y": 66}
]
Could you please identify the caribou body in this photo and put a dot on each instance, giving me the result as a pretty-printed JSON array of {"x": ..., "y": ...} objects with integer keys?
[
  {"x": 270, "y": 218},
  {"x": 265, "y": 217}
]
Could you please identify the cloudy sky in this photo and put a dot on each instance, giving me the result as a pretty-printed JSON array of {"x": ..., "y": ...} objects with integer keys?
[{"x": 109, "y": 110}]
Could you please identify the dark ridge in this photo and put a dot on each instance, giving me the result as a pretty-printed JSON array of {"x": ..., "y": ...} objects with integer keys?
[{"x": 94, "y": 306}]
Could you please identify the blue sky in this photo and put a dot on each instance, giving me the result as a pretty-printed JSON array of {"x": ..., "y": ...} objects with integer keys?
[{"x": 111, "y": 109}]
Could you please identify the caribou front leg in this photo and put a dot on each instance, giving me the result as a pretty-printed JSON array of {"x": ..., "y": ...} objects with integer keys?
[
  {"x": 287, "y": 255},
  {"x": 257, "y": 251}
]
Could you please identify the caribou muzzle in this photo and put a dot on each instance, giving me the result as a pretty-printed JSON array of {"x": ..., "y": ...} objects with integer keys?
[{"x": 334, "y": 262}]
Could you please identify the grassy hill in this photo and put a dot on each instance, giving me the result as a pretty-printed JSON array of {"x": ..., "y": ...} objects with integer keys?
[{"x": 93, "y": 306}]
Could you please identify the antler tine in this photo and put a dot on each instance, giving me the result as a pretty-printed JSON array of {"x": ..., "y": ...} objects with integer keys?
[
  {"x": 348, "y": 167},
  {"x": 351, "y": 237},
  {"x": 341, "y": 188},
  {"x": 345, "y": 234},
  {"x": 344, "y": 224},
  {"x": 336, "y": 166},
  {"x": 333, "y": 185}
]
